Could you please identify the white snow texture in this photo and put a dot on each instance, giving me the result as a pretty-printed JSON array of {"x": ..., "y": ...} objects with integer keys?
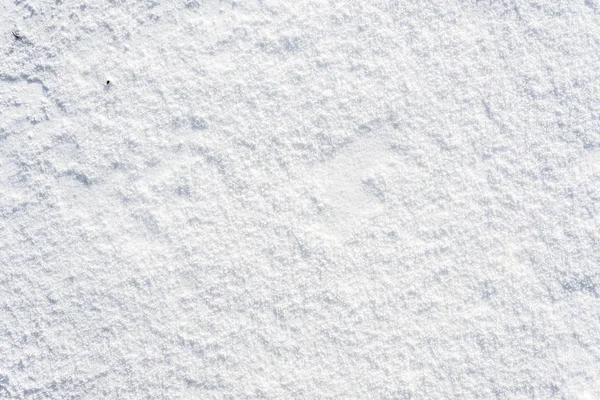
[{"x": 308, "y": 199}]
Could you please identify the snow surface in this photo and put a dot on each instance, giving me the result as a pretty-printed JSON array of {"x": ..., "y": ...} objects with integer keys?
[{"x": 299, "y": 200}]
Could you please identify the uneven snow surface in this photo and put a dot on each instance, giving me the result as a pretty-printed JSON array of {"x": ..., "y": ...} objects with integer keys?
[{"x": 299, "y": 200}]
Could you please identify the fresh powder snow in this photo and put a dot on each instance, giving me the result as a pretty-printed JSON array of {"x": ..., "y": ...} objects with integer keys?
[{"x": 309, "y": 199}]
